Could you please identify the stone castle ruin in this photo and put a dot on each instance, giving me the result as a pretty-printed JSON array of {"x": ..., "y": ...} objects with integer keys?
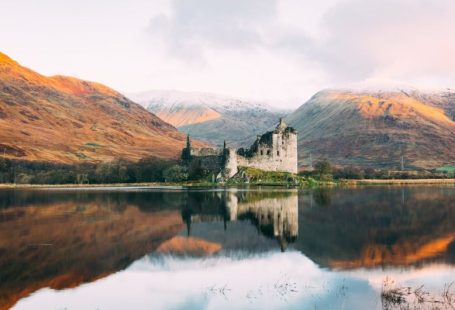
[{"x": 273, "y": 151}]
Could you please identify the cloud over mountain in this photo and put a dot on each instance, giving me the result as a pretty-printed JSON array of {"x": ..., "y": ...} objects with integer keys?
[{"x": 282, "y": 51}]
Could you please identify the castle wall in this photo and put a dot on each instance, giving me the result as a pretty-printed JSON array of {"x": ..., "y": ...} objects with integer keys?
[
  {"x": 211, "y": 162},
  {"x": 273, "y": 151},
  {"x": 279, "y": 155},
  {"x": 231, "y": 163},
  {"x": 207, "y": 158}
]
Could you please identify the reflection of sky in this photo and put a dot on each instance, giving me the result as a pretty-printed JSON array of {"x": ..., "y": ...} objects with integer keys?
[{"x": 272, "y": 280}]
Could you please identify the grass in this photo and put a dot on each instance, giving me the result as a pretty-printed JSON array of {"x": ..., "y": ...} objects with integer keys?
[
  {"x": 398, "y": 181},
  {"x": 253, "y": 176},
  {"x": 82, "y": 155},
  {"x": 405, "y": 297},
  {"x": 447, "y": 169},
  {"x": 93, "y": 144}
]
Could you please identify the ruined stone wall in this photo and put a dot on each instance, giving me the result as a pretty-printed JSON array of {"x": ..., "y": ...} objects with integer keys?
[
  {"x": 230, "y": 164},
  {"x": 205, "y": 152},
  {"x": 278, "y": 155},
  {"x": 210, "y": 162},
  {"x": 273, "y": 151}
]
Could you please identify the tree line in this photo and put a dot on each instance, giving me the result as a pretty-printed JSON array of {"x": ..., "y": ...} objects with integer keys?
[
  {"x": 324, "y": 170},
  {"x": 162, "y": 170},
  {"x": 117, "y": 171}
]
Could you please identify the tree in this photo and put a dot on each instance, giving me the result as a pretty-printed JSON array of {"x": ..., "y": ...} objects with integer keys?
[
  {"x": 175, "y": 173},
  {"x": 323, "y": 168}
]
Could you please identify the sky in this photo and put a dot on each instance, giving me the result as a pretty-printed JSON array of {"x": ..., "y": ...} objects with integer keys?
[{"x": 280, "y": 51}]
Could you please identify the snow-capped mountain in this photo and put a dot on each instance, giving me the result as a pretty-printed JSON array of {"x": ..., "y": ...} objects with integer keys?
[{"x": 211, "y": 117}]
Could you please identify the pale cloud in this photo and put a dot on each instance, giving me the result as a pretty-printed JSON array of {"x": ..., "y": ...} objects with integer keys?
[
  {"x": 397, "y": 39},
  {"x": 197, "y": 25},
  {"x": 281, "y": 51},
  {"x": 300, "y": 47}
]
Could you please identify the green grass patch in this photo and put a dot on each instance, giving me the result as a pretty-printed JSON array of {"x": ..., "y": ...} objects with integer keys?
[
  {"x": 447, "y": 169},
  {"x": 255, "y": 176},
  {"x": 93, "y": 144},
  {"x": 81, "y": 156}
]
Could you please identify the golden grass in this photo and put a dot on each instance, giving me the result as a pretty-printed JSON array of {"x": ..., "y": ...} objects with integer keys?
[{"x": 53, "y": 118}]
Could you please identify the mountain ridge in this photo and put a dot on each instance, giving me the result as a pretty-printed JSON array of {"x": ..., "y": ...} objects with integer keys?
[
  {"x": 210, "y": 117},
  {"x": 376, "y": 128},
  {"x": 67, "y": 120}
]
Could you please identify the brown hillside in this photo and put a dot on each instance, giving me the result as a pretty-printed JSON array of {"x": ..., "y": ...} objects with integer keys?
[
  {"x": 189, "y": 115},
  {"x": 67, "y": 120},
  {"x": 376, "y": 128}
]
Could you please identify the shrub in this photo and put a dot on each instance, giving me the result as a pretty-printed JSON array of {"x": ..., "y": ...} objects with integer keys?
[{"x": 175, "y": 173}]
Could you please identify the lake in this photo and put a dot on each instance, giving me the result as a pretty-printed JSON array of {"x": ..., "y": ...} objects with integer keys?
[{"x": 263, "y": 248}]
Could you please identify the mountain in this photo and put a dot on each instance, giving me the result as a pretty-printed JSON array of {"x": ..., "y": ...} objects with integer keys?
[
  {"x": 209, "y": 117},
  {"x": 376, "y": 128},
  {"x": 67, "y": 120}
]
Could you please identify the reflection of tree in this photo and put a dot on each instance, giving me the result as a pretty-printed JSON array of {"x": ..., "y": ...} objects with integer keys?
[{"x": 322, "y": 196}]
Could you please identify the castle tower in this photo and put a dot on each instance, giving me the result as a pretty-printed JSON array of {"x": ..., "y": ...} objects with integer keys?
[
  {"x": 273, "y": 151},
  {"x": 186, "y": 152},
  {"x": 281, "y": 125},
  {"x": 188, "y": 142}
]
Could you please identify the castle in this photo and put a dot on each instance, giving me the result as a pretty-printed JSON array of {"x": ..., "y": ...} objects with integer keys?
[{"x": 273, "y": 151}]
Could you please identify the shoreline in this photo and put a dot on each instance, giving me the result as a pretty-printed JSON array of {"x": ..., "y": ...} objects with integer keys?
[
  {"x": 183, "y": 185},
  {"x": 398, "y": 181}
]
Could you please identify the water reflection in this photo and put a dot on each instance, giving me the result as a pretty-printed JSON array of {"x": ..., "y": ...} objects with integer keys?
[
  {"x": 61, "y": 239},
  {"x": 275, "y": 214},
  {"x": 378, "y": 227}
]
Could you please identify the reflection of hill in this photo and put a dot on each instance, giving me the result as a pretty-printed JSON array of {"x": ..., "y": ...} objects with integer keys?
[
  {"x": 377, "y": 226},
  {"x": 62, "y": 238},
  {"x": 273, "y": 213},
  {"x": 187, "y": 245},
  {"x": 63, "y": 244}
]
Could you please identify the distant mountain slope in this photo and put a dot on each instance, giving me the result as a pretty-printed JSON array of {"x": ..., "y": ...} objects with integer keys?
[
  {"x": 375, "y": 128},
  {"x": 210, "y": 117},
  {"x": 66, "y": 120}
]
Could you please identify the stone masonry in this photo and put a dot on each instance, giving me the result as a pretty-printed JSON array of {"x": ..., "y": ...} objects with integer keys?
[{"x": 273, "y": 151}]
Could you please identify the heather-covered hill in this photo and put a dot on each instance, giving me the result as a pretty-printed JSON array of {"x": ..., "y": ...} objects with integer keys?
[
  {"x": 67, "y": 120},
  {"x": 376, "y": 128}
]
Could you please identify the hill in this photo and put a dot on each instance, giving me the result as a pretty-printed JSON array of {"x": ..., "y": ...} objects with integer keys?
[
  {"x": 67, "y": 120},
  {"x": 210, "y": 117},
  {"x": 376, "y": 128}
]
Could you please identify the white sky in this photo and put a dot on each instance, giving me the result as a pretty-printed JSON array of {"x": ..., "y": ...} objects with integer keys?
[{"x": 273, "y": 50}]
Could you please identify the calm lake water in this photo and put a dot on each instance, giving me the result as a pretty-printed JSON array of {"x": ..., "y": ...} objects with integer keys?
[{"x": 170, "y": 248}]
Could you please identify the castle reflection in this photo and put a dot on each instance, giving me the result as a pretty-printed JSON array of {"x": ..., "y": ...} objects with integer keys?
[{"x": 275, "y": 214}]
